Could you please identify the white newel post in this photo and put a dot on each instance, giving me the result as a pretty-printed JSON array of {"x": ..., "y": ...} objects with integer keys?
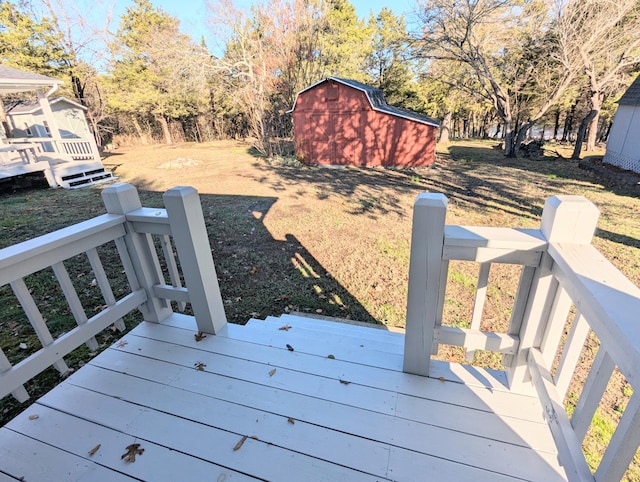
[
  {"x": 122, "y": 199},
  {"x": 565, "y": 219},
  {"x": 427, "y": 242},
  {"x": 192, "y": 243}
]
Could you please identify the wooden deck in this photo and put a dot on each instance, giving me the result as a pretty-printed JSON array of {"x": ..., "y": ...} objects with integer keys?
[{"x": 336, "y": 407}]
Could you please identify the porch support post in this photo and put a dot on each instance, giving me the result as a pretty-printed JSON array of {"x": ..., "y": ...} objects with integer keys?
[
  {"x": 139, "y": 249},
  {"x": 427, "y": 243},
  {"x": 194, "y": 251},
  {"x": 48, "y": 116}
]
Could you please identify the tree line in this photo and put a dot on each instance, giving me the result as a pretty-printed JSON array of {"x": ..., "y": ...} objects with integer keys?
[{"x": 505, "y": 69}]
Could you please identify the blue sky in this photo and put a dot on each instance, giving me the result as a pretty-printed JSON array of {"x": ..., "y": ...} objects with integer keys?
[{"x": 193, "y": 14}]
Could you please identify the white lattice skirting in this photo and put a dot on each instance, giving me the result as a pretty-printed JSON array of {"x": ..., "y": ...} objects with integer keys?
[{"x": 620, "y": 160}]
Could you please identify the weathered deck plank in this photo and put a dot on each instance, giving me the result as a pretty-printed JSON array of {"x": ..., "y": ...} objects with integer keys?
[{"x": 382, "y": 424}]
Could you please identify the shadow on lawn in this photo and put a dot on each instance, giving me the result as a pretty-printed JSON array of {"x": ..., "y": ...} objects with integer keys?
[{"x": 262, "y": 276}]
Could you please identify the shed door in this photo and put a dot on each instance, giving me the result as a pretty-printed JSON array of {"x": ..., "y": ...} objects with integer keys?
[
  {"x": 320, "y": 135},
  {"x": 348, "y": 138}
]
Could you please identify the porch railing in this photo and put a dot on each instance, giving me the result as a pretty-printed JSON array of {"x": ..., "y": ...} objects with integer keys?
[
  {"x": 76, "y": 149},
  {"x": 565, "y": 285},
  {"x": 153, "y": 280}
]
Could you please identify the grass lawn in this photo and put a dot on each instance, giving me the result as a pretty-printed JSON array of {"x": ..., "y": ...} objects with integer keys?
[{"x": 333, "y": 242}]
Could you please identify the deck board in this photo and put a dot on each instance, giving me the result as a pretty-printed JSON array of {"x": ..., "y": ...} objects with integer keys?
[{"x": 382, "y": 425}]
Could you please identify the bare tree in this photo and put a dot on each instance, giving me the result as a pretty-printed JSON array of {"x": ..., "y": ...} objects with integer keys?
[
  {"x": 603, "y": 36},
  {"x": 510, "y": 49}
]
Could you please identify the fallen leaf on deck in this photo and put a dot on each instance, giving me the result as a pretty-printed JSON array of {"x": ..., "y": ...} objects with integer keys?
[
  {"x": 272, "y": 372},
  {"x": 289, "y": 347},
  {"x": 122, "y": 344},
  {"x": 132, "y": 451},
  {"x": 34, "y": 416},
  {"x": 291, "y": 421},
  {"x": 345, "y": 382},
  {"x": 285, "y": 327},
  {"x": 240, "y": 443},
  {"x": 200, "y": 366},
  {"x": 199, "y": 336},
  {"x": 331, "y": 356},
  {"x": 441, "y": 379},
  {"x": 94, "y": 450}
]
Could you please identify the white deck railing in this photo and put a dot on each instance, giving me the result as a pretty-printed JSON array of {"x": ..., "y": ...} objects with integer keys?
[
  {"x": 562, "y": 274},
  {"x": 76, "y": 149},
  {"x": 130, "y": 227}
]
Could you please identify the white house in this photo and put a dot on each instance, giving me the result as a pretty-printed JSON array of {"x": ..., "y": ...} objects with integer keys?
[
  {"x": 623, "y": 145},
  {"x": 51, "y": 137},
  {"x": 26, "y": 119}
]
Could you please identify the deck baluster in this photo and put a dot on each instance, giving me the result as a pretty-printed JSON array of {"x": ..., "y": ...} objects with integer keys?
[{"x": 123, "y": 199}]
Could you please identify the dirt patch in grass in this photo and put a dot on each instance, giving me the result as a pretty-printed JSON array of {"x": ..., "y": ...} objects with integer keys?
[{"x": 335, "y": 242}]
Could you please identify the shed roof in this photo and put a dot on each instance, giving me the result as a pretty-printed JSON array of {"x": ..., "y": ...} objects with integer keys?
[
  {"x": 632, "y": 95},
  {"x": 15, "y": 80},
  {"x": 29, "y": 107},
  {"x": 376, "y": 100}
]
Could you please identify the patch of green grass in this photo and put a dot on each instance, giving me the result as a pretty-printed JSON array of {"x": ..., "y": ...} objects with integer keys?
[{"x": 462, "y": 278}]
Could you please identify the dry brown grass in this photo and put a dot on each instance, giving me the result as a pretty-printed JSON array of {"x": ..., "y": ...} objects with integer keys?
[{"x": 336, "y": 241}]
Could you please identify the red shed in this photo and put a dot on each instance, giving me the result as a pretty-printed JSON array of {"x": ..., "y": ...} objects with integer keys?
[{"x": 344, "y": 122}]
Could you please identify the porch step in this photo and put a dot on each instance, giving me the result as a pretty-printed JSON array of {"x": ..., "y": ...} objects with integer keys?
[
  {"x": 361, "y": 345},
  {"x": 318, "y": 337},
  {"x": 347, "y": 327},
  {"x": 85, "y": 178}
]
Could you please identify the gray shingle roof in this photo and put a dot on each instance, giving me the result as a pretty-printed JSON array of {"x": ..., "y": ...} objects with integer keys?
[
  {"x": 27, "y": 107},
  {"x": 15, "y": 80},
  {"x": 632, "y": 95},
  {"x": 377, "y": 101}
]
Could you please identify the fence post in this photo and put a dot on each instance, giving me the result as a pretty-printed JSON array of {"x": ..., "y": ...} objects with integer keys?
[
  {"x": 565, "y": 219},
  {"x": 427, "y": 243},
  {"x": 123, "y": 198},
  {"x": 192, "y": 243}
]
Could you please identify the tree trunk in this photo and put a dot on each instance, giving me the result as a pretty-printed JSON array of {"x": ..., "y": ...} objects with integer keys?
[
  {"x": 78, "y": 88},
  {"x": 136, "y": 126},
  {"x": 581, "y": 132},
  {"x": 498, "y": 129},
  {"x": 596, "y": 104},
  {"x": 508, "y": 139},
  {"x": 556, "y": 124},
  {"x": 568, "y": 122},
  {"x": 445, "y": 127},
  {"x": 522, "y": 133},
  {"x": 166, "y": 133},
  {"x": 604, "y": 134}
]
